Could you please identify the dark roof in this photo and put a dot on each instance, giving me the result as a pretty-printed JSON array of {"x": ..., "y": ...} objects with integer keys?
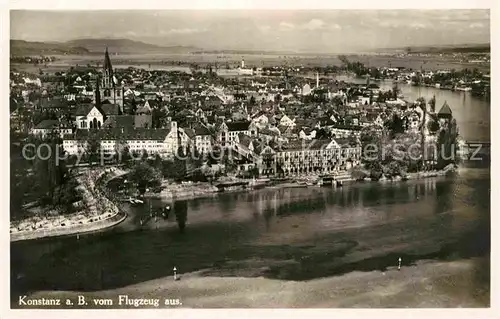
[
  {"x": 346, "y": 142},
  {"x": 110, "y": 109},
  {"x": 348, "y": 127},
  {"x": 318, "y": 144},
  {"x": 189, "y": 132},
  {"x": 244, "y": 139},
  {"x": 47, "y": 124},
  {"x": 270, "y": 132},
  {"x": 326, "y": 121},
  {"x": 238, "y": 126},
  {"x": 83, "y": 109},
  {"x": 371, "y": 116},
  {"x": 445, "y": 110},
  {"x": 201, "y": 130},
  {"x": 153, "y": 103},
  {"x": 55, "y": 103},
  {"x": 284, "y": 128},
  {"x": 115, "y": 121},
  {"x": 120, "y": 134}
]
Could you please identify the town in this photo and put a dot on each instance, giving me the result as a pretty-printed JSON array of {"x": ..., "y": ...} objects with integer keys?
[
  {"x": 249, "y": 126},
  {"x": 188, "y": 158}
]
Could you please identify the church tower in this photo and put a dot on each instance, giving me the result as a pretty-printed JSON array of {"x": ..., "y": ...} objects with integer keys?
[{"x": 110, "y": 90}]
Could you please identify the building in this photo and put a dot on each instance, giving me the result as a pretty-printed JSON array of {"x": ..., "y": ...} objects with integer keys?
[
  {"x": 47, "y": 127},
  {"x": 324, "y": 156},
  {"x": 230, "y": 130},
  {"x": 203, "y": 140},
  {"x": 143, "y": 117},
  {"x": 164, "y": 142},
  {"x": 306, "y": 89},
  {"x": 344, "y": 131},
  {"x": 109, "y": 91},
  {"x": 90, "y": 116},
  {"x": 445, "y": 112}
]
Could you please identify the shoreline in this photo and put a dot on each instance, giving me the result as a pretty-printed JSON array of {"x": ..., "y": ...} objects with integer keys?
[
  {"x": 190, "y": 193},
  {"x": 426, "y": 284},
  {"x": 76, "y": 226}
]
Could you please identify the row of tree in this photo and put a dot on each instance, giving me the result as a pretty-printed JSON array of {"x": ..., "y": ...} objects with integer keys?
[{"x": 40, "y": 175}]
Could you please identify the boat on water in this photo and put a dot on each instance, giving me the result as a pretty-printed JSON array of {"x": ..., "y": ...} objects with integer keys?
[
  {"x": 135, "y": 201},
  {"x": 325, "y": 181},
  {"x": 258, "y": 183}
]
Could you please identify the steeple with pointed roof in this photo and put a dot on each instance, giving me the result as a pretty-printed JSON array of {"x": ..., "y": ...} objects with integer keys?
[
  {"x": 108, "y": 91},
  {"x": 97, "y": 93},
  {"x": 107, "y": 79},
  {"x": 107, "y": 61},
  {"x": 445, "y": 111}
]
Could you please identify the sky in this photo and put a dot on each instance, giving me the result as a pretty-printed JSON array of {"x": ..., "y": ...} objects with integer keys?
[{"x": 273, "y": 30}]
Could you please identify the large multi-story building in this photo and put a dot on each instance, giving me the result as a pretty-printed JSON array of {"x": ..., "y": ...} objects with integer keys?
[
  {"x": 165, "y": 141},
  {"x": 299, "y": 157},
  {"x": 317, "y": 156}
]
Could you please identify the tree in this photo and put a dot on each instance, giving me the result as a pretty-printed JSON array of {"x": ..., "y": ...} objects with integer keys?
[
  {"x": 396, "y": 125},
  {"x": 395, "y": 91},
  {"x": 421, "y": 101},
  {"x": 180, "y": 211},
  {"x": 158, "y": 162},
  {"x": 277, "y": 98},
  {"x": 254, "y": 172},
  {"x": 144, "y": 176},
  {"x": 371, "y": 144},
  {"x": 93, "y": 149},
  {"x": 194, "y": 164},
  {"x": 159, "y": 118},
  {"x": 145, "y": 155},
  {"x": 322, "y": 133},
  {"x": 176, "y": 168},
  {"x": 432, "y": 104},
  {"x": 48, "y": 179},
  {"x": 359, "y": 174},
  {"x": 433, "y": 126},
  {"x": 228, "y": 161}
]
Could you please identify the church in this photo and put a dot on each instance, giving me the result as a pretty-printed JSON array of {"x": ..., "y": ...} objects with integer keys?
[{"x": 108, "y": 90}]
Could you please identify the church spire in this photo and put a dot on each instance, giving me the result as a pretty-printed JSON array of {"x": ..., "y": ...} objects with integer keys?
[
  {"x": 107, "y": 79},
  {"x": 107, "y": 62},
  {"x": 97, "y": 93}
]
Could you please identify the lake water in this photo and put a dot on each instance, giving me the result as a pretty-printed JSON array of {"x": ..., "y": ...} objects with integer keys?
[
  {"x": 471, "y": 112},
  {"x": 291, "y": 234}
]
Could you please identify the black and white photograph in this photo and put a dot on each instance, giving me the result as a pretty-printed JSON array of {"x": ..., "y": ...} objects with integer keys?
[{"x": 249, "y": 158}]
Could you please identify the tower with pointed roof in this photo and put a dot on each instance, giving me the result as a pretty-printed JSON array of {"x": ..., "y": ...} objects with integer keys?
[
  {"x": 445, "y": 112},
  {"x": 110, "y": 91},
  {"x": 445, "y": 115}
]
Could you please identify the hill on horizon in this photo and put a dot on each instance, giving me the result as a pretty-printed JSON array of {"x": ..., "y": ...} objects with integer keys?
[
  {"x": 91, "y": 46},
  {"x": 443, "y": 48},
  {"x": 21, "y": 47}
]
